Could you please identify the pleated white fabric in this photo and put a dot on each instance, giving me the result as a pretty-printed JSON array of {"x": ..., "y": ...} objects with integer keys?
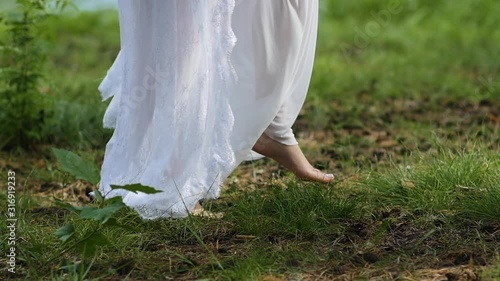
[{"x": 194, "y": 86}]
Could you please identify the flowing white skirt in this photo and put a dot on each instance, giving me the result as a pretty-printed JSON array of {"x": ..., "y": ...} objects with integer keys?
[{"x": 194, "y": 86}]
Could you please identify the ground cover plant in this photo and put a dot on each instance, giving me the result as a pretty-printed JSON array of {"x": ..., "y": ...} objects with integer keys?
[{"x": 404, "y": 108}]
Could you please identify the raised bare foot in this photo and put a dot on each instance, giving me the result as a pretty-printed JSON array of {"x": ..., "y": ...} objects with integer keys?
[{"x": 292, "y": 158}]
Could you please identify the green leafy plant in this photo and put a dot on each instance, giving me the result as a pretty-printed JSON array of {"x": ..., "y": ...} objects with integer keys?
[{"x": 87, "y": 233}]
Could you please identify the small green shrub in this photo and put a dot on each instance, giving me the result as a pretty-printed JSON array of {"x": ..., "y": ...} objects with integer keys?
[
  {"x": 87, "y": 232},
  {"x": 24, "y": 107}
]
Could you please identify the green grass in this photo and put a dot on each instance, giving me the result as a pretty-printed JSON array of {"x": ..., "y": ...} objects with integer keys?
[
  {"x": 429, "y": 48},
  {"x": 408, "y": 123},
  {"x": 445, "y": 181},
  {"x": 300, "y": 210}
]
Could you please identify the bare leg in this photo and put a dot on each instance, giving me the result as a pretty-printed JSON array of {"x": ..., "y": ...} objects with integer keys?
[{"x": 292, "y": 158}]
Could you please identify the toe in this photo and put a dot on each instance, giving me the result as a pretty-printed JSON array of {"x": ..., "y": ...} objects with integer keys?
[
  {"x": 328, "y": 177},
  {"x": 318, "y": 176}
]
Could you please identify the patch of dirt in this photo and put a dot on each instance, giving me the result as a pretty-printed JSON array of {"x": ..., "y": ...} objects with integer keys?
[{"x": 458, "y": 273}]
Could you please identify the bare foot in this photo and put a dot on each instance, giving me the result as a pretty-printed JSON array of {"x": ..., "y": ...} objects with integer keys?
[
  {"x": 292, "y": 158},
  {"x": 200, "y": 211}
]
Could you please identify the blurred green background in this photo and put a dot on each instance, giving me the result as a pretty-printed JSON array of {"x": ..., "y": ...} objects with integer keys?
[{"x": 410, "y": 49}]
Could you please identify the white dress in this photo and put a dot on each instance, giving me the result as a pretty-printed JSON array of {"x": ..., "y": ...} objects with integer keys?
[{"x": 194, "y": 86}]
